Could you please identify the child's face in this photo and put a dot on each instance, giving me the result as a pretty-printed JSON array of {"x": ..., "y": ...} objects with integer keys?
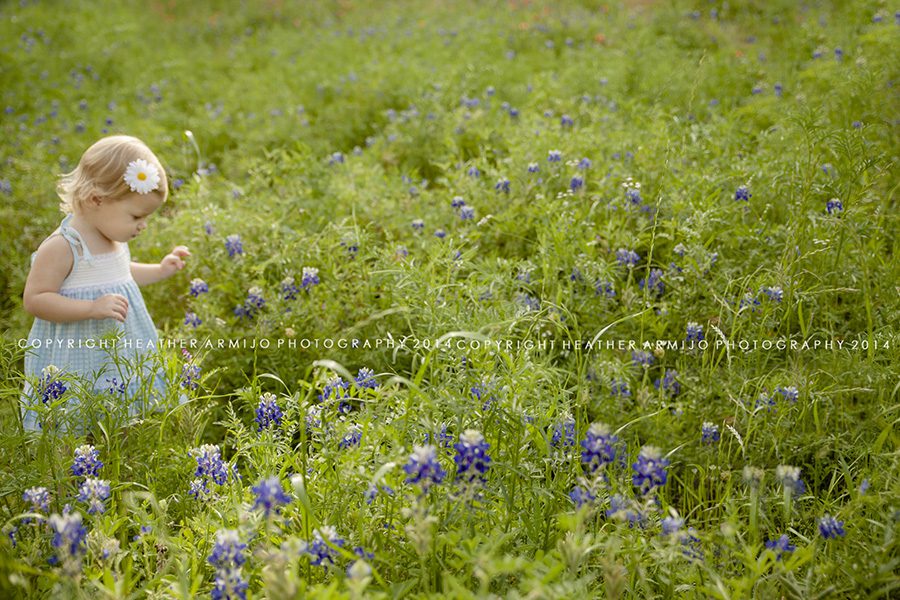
[{"x": 124, "y": 219}]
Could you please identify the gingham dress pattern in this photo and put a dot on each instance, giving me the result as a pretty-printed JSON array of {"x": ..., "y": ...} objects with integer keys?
[{"x": 91, "y": 277}]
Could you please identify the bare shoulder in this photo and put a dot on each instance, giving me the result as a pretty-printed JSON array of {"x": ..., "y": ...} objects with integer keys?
[{"x": 54, "y": 257}]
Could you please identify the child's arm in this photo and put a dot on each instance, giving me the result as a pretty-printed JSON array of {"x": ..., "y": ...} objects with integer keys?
[
  {"x": 145, "y": 274},
  {"x": 52, "y": 264}
]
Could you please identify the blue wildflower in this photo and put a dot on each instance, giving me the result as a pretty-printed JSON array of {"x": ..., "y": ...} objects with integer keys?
[
  {"x": 94, "y": 492},
  {"x": 641, "y": 358},
  {"x": 834, "y": 207},
  {"x": 440, "y": 233},
  {"x": 352, "y": 438},
  {"x": 619, "y": 388},
  {"x": 653, "y": 283},
  {"x": 289, "y": 289},
  {"x": 780, "y": 546},
  {"x": 227, "y": 557},
  {"x": 838, "y": 54},
  {"x": 566, "y": 120},
  {"x": 775, "y": 294},
  {"x": 743, "y": 194},
  {"x": 599, "y": 446},
  {"x": 365, "y": 378},
  {"x": 789, "y": 477},
  {"x": 554, "y": 156},
  {"x": 581, "y": 496},
  {"x": 69, "y": 540},
  {"x": 672, "y": 525},
  {"x": 190, "y": 318},
  {"x": 709, "y": 432},
  {"x": 533, "y": 167},
  {"x": 418, "y": 224},
  {"x": 576, "y": 183},
  {"x": 208, "y": 226},
  {"x": 831, "y": 528},
  {"x": 473, "y": 172},
  {"x": 790, "y": 393},
  {"x": 423, "y": 467},
  {"x": 321, "y": 550},
  {"x": 336, "y": 158},
  {"x": 604, "y": 288},
  {"x": 466, "y": 213},
  {"x": 210, "y": 466},
  {"x": 633, "y": 196},
  {"x": 51, "y": 388},
  {"x": 563, "y": 433},
  {"x": 472, "y": 460},
  {"x": 335, "y": 389},
  {"x": 457, "y": 202},
  {"x": 38, "y": 498},
  {"x": 270, "y": 496},
  {"x": 268, "y": 413},
  {"x": 649, "y": 470},
  {"x": 694, "y": 331},
  {"x": 584, "y": 163},
  {"x": 190, "y": 375},
  {"x": 198, "y": 286},
  {"x": 502, "y": 185},
  {"x": 627, "y": 258},
  {"x": 114, "y": 387},
  {"x": 234, "y": 245},
  {"x": 87, "y": 461},
  {"x": 309, "y": 278},
  {"x": 669, "y": 384}
]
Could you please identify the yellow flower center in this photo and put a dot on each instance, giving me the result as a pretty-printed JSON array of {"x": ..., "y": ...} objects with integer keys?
[{"x": 142, "y": 176}]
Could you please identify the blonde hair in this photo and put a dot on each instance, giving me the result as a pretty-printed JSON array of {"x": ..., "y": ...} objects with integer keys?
[{"x": 101, "y": 172}]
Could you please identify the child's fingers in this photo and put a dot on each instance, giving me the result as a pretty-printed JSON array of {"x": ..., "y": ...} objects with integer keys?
[{"x": 181, "y": 251}]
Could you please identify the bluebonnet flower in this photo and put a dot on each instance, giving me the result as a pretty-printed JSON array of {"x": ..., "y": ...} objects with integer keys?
[
  {"x": 418, "y": 224},
  {"x": 709, "y": 432},
  {"x": 352, "y": 438},
  {"x": 440, "y": 233},
  {"x": 753, "y": 476},
  {"x": 5, "y": 186},
  {"x": 619, "y": 388},
  {"x": 779, "y": 90},
  {"x": 742, "y": 193},
  {"x": 623, "y": 509},
  {"x": 672, "y": 525},
  {"x": 633, "y": 196},
  {"x": 190, "y": 318},
  {"x": 289, "y": 289},
  {"x": 270, "y": 496},
  {"x": 336, "y": 158},
  {"x": 780, "y": 546},
  {"x": 373, "y": 490},
  {"x": 423, "y": 467},
  {"x": 359, "y": 570},
  {"x": 198, "y": 286},
  {"x": 38, "y": 498},
  {"x": 581, "y": 496},
  {"x": 641, "y": 358},
  {"x": 790, "y": 479},
  {"x": 472, "y": 460},
  {"x": 775, "y": 293},
  {"x": 87, "y": 461},
  {"x": 401, "y": 252},
  {"x": 473, "y": 172},
  {"x": 114, "y": 387},
  {"x": 604, "y": 288},
  {"x": 584, "y": 163},
  {"x": 457, "y": 202},
  {"x": 533, "y": 167},
  {"x": 234, "y": 245},
  {"x": 576, "y": 183},
  {"x": 320, "y": 549},
  {"x": 50, "y": 387},
  {"x": 267, "y": 412},
  {"x": 513, "y": 112},
  {"x": 838, "y": 54},
  {"x": 834, "y": 207},
  {"x": 69, "y": 540},
  {"x": 790, "y": 393},
  {"x": 190, "y": 375},
  {"x": 365, "y": 378},
  {"x": 94, "y": 492},
  {"x": 442, "y": 438},
  {"x": 255, "y": 298},
  {"x": 208, "y": 226},
  {"x": 467, "y": 213},
  {"x": 653, "y": 282},
  {"x": 627, "y": 258},
  {"x": 210, "y": 466},
  {"x": 227, "y": 557},
  {"x": 309, "y": 278},
  {"x": 554, "y": 156},
  {"x": 528, "y": 302},
  {"x": 144, "y": 530},
  {"x": 680, "y": 250},
  {"x": 764, "y": 401},
  {"x": 864, "y": 487},
  {"x": 335, "y": 389},
  {"x": 563, "y": 433},
  {"x": 352, "y": 248},
  {"x": 757, "y": 89},
  {"x": 649, "y": 470},
  {"x": 599, "y": 446},
  {"x": 749, "y": 301},
  {"x": 566, "y": 121},
  {"x": 502, "y": 185},
  {"x": 694, "y": 331},
  {"x": 831, "y": 528},
  {"x": 669, "y": 384}
]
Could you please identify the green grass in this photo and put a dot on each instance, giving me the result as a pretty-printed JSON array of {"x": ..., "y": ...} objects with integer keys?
[{"x": 271, "y": 90}]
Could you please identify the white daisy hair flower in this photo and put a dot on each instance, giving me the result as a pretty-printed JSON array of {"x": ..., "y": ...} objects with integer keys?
[{"x": 141, "y": 176}]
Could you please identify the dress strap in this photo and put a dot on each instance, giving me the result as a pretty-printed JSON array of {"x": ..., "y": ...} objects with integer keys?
[{"x": 74, "y": 238}]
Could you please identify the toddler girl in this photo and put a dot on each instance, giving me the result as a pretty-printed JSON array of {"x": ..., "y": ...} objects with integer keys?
[{"x": 83, "y": 285}]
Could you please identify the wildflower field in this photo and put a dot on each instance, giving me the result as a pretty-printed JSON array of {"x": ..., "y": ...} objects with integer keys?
[{"x": 571, "y": 299}]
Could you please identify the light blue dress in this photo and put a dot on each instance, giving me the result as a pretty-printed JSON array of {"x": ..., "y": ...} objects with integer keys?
[{"x": 75, "y": 348}]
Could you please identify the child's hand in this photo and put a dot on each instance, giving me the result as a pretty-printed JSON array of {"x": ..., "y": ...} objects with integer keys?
[
  {"x": 173, "y": 262},
  {"x": 110, "y": 306}
]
